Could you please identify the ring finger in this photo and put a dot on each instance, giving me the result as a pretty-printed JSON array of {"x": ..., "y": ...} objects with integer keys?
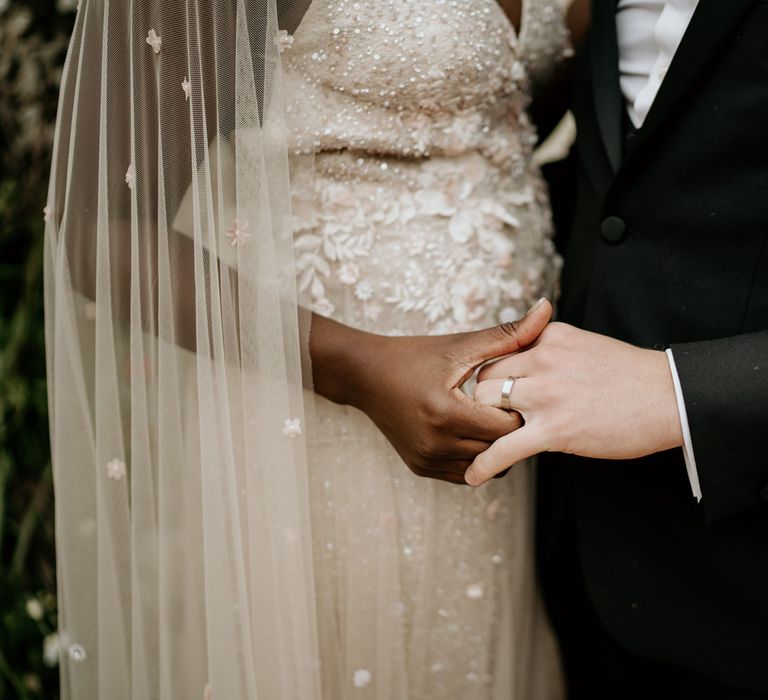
[{"x": 489, "y": 392}]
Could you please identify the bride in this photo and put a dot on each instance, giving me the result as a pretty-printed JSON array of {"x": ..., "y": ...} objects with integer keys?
[{"x": 272, "y": 234}]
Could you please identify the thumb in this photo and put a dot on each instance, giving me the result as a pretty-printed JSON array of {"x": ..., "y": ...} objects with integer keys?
[{"x": 507, "y": 338}]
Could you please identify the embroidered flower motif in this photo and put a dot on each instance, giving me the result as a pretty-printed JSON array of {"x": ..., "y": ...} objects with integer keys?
[
  {"x": 349, "y": 273},
  {"x": 283, "y": 40},
  {"x": 77, "y": 653},
  {"x": 207, "y": 692},
  {"x": 292, "y": 427},
  {"x": 237, "y": 232},
  {"x": 470, "y": 294},
  {"x": 154, "y": 40},
  {"x": 323, "y": 306},
  {"x": 364, "y": 290},
  {"x": 290, "y": 536},
  {"x": 463, "y": 224},
  {"x": 130, "y": 176},
  {"x": 46, "y": 213},
  {"x": 361, "y": 678},
  {"x": 475, "y": 591},
  {"x": 187, "y": 87},
  {"x": 434, "y": 203},
  {"x": 90, "y": 311},
  {"x": 116, "y": 469}
]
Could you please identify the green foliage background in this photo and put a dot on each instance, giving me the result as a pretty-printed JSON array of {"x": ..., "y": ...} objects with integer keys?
[{"x": 33, "y": 40}]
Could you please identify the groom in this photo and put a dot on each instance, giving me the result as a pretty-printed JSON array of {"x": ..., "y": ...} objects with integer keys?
[{"x": 654, "y": 593}]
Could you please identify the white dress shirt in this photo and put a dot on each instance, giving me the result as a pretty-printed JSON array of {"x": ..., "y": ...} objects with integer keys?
[{"x": 649, "y": 34}]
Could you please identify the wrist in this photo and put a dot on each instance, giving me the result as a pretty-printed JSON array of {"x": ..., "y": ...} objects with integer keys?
[
  {"x": 670, "y": 425},
  {"x": 341, "y": 360}
]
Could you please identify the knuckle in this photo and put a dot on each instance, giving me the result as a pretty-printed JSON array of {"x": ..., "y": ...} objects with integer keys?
[
  {"x": 435, "y": 413},
  {"x": 547, "y": 356},
  {"x": 559, "y": 331},
  {"x": 509, "y": 329},
  {"x": 542, "y": 355},
  {"x": 427, "y": 448}
]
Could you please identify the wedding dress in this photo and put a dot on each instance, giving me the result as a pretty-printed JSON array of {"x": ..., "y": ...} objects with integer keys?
[
  {"x": 425, "y": 214},
  {"x": 221, "y": 532}
]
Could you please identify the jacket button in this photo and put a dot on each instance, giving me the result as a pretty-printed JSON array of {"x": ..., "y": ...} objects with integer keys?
[
  {"x": 613, "y": 229},
  {"x": 764, "y": 494}
]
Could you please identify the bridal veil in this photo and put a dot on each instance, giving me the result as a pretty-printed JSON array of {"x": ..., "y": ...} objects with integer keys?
[{"x": 175, "y": 349}]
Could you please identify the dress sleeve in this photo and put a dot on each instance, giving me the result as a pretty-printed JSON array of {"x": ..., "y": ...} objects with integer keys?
[{"x": 544, "y": 37}]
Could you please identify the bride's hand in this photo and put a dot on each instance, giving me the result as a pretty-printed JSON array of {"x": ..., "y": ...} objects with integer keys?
[
  {"x": 410, "y": 388},
  {"x": 581, "y": 393}
]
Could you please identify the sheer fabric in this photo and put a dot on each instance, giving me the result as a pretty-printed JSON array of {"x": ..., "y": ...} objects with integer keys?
[{"x": 174, "y": 353}]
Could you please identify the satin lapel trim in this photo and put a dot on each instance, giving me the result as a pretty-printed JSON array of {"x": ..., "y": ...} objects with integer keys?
[
  {"x": 711, "y": 26},
  {"x": 604, "y": 59}
]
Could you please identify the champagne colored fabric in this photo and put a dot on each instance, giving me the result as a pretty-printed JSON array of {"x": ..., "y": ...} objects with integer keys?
[{"x": 174, "y": 352}]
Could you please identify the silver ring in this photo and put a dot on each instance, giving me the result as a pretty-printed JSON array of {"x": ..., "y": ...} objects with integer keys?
[{"x": 506, "y": 391}]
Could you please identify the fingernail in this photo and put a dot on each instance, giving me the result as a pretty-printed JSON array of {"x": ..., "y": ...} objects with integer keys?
[
  {"x": 469, "y": 476},
  {"x": 536, "y": 305}
]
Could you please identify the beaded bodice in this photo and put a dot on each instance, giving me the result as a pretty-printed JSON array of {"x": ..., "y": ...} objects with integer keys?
[{"x": 424, "y": 201}]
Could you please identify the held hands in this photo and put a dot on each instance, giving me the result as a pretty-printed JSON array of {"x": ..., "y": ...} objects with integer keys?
[
  {"x": 580, "y": 393},
  {"x": 410, "y": 388}
]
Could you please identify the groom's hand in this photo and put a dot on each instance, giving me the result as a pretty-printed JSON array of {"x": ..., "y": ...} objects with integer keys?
[
  {"x": 410, "y": 388},
  {"x": 584, "y": 394}
]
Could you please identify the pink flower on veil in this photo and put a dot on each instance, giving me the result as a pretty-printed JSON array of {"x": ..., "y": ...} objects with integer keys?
[{"x": 237, "y": 233}]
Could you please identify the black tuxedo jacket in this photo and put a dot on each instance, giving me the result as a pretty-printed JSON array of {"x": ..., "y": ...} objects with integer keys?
[{"x": 669, "y": 247}]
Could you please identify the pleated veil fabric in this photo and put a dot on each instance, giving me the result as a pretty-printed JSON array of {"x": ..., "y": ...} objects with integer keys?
[{"x": 175, "y": 360}]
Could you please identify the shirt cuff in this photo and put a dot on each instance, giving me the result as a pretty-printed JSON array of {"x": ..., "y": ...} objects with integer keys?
[{"x": 690, "y": 458}]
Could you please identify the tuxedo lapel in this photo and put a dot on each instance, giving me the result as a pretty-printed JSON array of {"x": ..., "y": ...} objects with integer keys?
[
  {"x": 604, "y": 59},
  {"x": 712, "y": 25}
]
